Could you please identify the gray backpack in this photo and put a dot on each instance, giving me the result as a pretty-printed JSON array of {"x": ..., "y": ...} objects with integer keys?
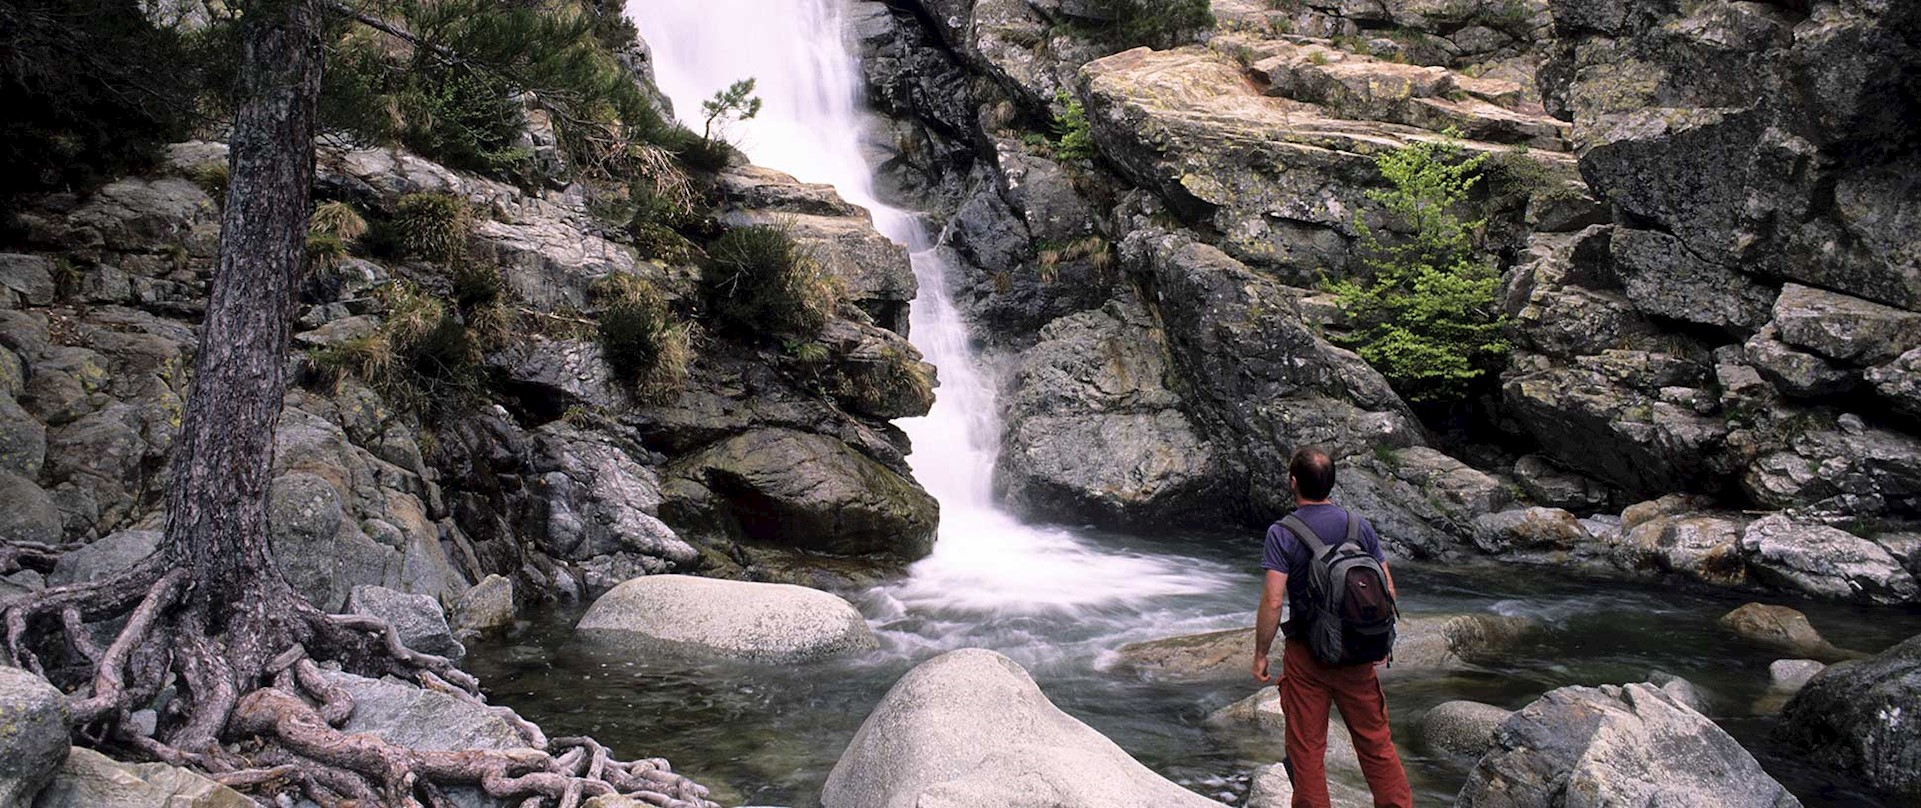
[{"x": 1352, "y": 611}]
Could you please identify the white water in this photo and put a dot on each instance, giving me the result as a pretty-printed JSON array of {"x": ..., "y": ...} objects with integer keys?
[{"x": 985, "y": 562}]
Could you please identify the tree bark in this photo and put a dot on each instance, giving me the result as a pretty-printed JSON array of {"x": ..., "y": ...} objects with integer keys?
[{"x": 223, "y": 462}]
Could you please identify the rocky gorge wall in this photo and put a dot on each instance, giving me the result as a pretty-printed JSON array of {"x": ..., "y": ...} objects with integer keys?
[{"x": 1702, "y": 212}]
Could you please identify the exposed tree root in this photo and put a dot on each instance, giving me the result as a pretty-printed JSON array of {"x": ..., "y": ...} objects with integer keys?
[{"x": 267, "y": 724}]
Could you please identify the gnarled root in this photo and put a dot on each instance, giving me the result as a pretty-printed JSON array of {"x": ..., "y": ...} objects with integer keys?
[{"x": 253, "y": 708}]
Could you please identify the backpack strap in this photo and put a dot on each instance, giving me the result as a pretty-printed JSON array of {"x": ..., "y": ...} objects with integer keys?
[
  {"x": 1353, "y": 528},
  {"x": 1301, "y": 531}
]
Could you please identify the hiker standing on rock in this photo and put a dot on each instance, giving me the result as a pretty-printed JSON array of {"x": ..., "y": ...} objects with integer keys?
[{"x": 1326, "y": 563}]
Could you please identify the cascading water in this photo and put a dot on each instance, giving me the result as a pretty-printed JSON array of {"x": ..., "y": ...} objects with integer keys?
[{"x": 985, "y": 562}]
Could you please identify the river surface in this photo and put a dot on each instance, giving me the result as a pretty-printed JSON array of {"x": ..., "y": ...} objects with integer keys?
[{"x": 1056, "y": 600}]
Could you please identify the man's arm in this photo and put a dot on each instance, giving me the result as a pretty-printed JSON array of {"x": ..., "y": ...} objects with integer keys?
[
  {"x": 1391, "y": 591},
  {"x": 1268, "y": 620}
]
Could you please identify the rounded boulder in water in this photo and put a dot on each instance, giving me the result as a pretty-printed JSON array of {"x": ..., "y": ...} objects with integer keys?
[{"x": 737, "y": 619}]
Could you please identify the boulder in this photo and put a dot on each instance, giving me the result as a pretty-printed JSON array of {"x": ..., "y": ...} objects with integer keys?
[
  {"x": 808, "y": 491},
  {"x": 1861, "y": 717},
  {"x": 1546, "y": 483},
  {"x": 1093, "y": 434},
  {"x": 488, "y": 605},
  {"x": 89, "y": 779},
  {"x": 1702, "y": 547},
  {"x": 104, "y": 557},
  {"x": 33, "y": 735},
  {"x": 418, "y": 618},
  {"x": 30, "y": 515},
  {"x": 23, "y": 439},
  {"x": 1837, "y": 462},
  {"x": 1825, "y": 562},
  {"x": 970, "y": 728},
  {"x": 1681, "y": 690},
  {"x": 1783, "y": 629},
  {"x": 1664, "y": 279},
  {"x": 1899, "y": 382},
  {"x": 25, "y": 279},
  {"x": 1461, "y": 728},
  {"x": 1796, "y": 373},
  {"x": 1617, "y": 745},
  {"x": 1529, "y": 530},
  {"x": 592, "y": 498},
  {"x": 1843, "y": 328},
  {"x": 739, "y": 619},
  {"x": 1259, "y": 716}
]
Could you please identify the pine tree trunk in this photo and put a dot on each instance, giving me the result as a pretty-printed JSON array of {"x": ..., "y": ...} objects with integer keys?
[{"x": 223, "y": 460}]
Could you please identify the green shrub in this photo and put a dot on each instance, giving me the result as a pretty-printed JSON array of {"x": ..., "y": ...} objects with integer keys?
[
  {"x": 1075, "y": 139},
  {"x": 432, "y": 227},
  {"x": 1429, "y": 319},
  {"x": 1158, "y": 23},
  {"x": 759, "y": 282},
  {"x": 421, "y": 357},
  {"x": 643, "y": 341}
]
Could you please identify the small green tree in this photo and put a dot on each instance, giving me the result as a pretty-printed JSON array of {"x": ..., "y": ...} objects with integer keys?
[
  {"x": 737, "y": 102},
  {"x": 1075, "y": 140},
  {"x": 1429, "y": 318}
]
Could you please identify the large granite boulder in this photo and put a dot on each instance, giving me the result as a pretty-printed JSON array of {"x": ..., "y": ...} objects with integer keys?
[
  {"x": 745, "y": 620},
  {"x": 1825, "y": 562},
  {"x": 89, "y": 779},
  {"x": 1616, "y": 745},
  {"x": 33, "y": 735},
  {"x": 970, "y": 728},
  {"x": 1861, "y": 717},
  {"x": 807, "y": 491},
  {"x": 1093, "y": 434}
]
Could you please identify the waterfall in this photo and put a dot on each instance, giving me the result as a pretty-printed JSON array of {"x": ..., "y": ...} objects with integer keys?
[{"x": 985, "y": 562}]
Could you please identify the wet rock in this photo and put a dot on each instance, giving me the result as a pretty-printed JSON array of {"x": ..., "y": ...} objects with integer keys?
[
  {"x": 1463, "y": 728},
  {"x": 33, "y": 735},
  {"x": 1423, "y": 642},
  {"x": 1549, "y": 485},
  {"x": 970, "y": 728},
  {"x": 421, "y": 623},
  {"x": 30, "y": 515},
  {"x": 1093, "y": 434},
  {"x": 1783, "y": 629},
  {"x": 1825, "y": 562},
  {"x": 1681, "y": 690},
  {"x": 1529, "y": 530},
  {"x": 756, "y": 621},
  {"x": 104, "y": 557},
  {"x": 1843, "y": 328},
  {"x": 1617, "y": 745},
  {"x": 1861, "y": 717},
  {"x": 808, "y": 491},
  {"x": 90, "y": 779},
  {"x": 1792, "y": 674},
  {"x": 488, "y": 605}
]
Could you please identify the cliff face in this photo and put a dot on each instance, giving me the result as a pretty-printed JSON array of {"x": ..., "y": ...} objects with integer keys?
[
  {"x": 1707, "y": 264},
  {"x": 540, "y": 461}
]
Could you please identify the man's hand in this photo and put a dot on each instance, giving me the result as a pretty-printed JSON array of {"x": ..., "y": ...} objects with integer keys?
[{"x": 1260, "y": 669}]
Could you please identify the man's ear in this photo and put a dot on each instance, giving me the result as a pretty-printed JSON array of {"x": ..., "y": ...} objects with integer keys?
[{"x": 1294, "y": 486}]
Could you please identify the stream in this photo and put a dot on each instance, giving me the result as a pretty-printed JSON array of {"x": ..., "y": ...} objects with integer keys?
[{"x": 1060, "y": 600}]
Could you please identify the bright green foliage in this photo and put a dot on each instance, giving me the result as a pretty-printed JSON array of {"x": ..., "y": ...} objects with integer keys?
[
  {"x": 1075, "y": 140},
  {"x": 1159, "y": 23},
  {"x": 737, "y": 102},
  {"x": 760, "y": 283},
  {"x": 1429, "y": 318}
]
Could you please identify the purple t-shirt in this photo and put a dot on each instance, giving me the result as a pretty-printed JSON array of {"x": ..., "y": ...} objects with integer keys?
[{"x": 1285, "y": 553}]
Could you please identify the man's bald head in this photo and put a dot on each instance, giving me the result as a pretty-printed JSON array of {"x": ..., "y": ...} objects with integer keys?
[{"x": 1313, "y": 473}]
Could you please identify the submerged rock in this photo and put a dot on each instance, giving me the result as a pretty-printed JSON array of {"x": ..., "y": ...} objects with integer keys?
[
  {"x": 757, "y": 621},
  {"x": 970, "y": 728},
  {"x": 1424, "y": 642},
  {"x": 1783, "y": 629},
  {"x": 33, "y": 735},
  {"x": 1864, "y": 717},
  {"x": 1616, "y": 745},
  {"x": 1260, "y": 716}
]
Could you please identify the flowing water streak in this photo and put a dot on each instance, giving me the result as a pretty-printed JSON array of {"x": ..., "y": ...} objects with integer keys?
[{"x": 985, "y": 562}]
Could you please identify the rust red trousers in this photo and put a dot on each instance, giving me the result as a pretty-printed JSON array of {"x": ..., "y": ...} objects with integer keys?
[{"x": 1307, "y": 688}]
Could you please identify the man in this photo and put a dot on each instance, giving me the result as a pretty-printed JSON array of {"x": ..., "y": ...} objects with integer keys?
[{"x": 1307, "y": 686}]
